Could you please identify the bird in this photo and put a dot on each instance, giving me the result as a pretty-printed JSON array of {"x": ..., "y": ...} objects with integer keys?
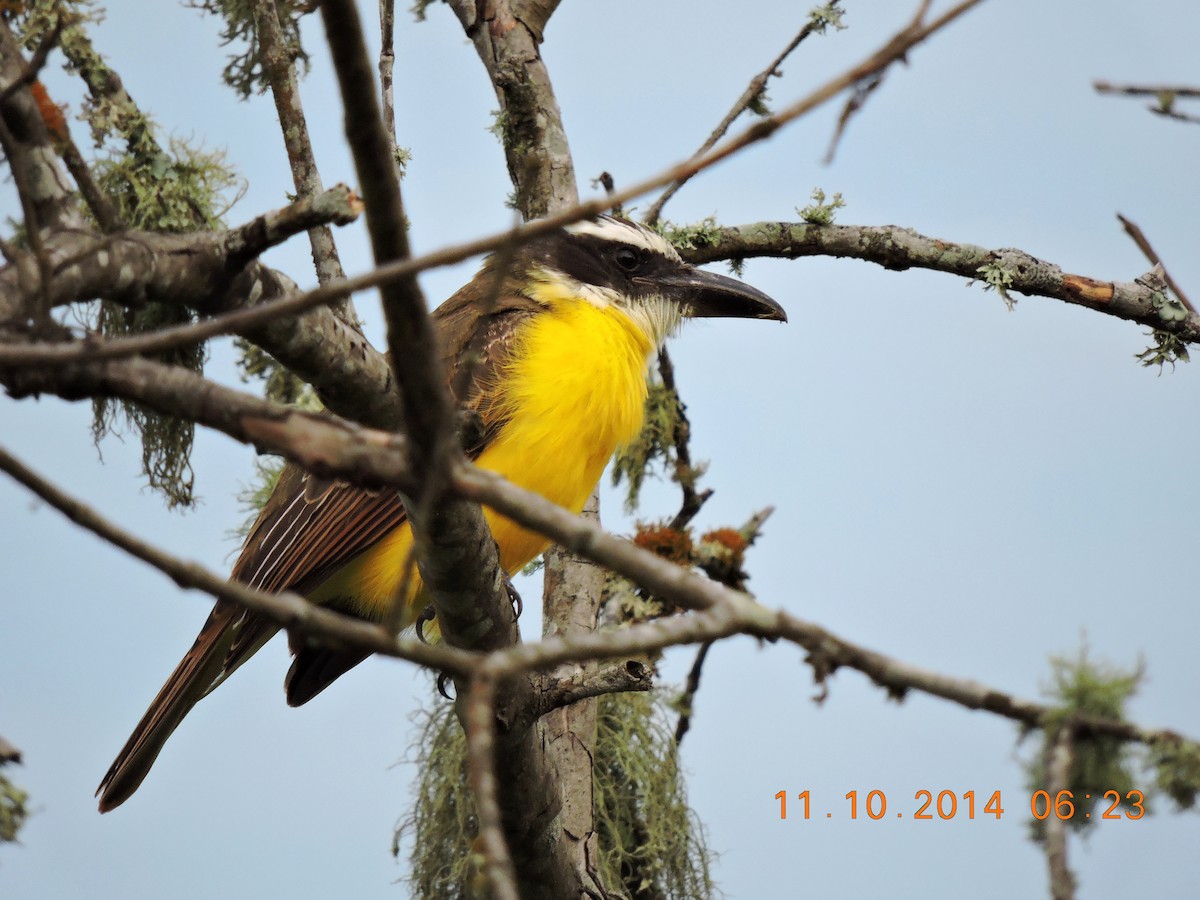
[{"x": 549, "y": 346}]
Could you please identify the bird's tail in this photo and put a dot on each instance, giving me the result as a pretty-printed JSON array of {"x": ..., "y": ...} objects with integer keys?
[{"x": 197, "y": 671}]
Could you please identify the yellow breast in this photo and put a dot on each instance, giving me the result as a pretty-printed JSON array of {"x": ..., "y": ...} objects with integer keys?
[{"x": 574, "y": 392}]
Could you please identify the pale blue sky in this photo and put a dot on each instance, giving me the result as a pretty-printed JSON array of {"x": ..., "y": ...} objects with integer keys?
[{"x": 963, "y": 487}]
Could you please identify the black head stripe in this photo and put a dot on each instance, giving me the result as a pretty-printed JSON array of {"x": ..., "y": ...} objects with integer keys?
[{"x": 589, "y": 254}]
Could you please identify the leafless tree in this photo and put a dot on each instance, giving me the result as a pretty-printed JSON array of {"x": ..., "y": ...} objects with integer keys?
[{"x": 84, "y": 243}]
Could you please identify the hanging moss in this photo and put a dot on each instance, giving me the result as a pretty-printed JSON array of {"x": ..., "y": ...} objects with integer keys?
[
  {"x": 14, "y": 810},
  {"x": 244, "y": 72},
  {"x": 654, "y": 445},
  {"x": 174, "y": 188},
  {"x": 1083, "y": 686},
  {"x": 651, "y": 843},
  {"x": 442, "y": 821}
]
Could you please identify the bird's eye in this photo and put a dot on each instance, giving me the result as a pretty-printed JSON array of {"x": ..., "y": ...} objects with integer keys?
[{"x": 627, "y": 258}]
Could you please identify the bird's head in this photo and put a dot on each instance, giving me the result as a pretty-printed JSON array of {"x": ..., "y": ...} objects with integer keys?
[{"x": 611, "y": 262}]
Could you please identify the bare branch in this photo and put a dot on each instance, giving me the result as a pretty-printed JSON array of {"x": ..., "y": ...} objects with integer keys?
[
  {"x": 685, "y": 475},
  {"x": 506, "y": 37},
  {"x": 556, "y": 693},
  {"x": 751, "y": 96},
  {"x": 181, "y": 269},
  {"x": 854, "y": 104},
  {"x": 1165, "y": 97},
  {"x": 893, "y": 247},
  {"x": 280, "y": 70},
  {"x": 1139, "y": 238},
  {"x": 410, "y": 335},
  {"x": 1059, "y": 754},
  {"x": 387, "y": 62},
  {"x": 689, "y": 692},
  {"x": 1140, "y": 90},
  {"x": 288, "y": 609}
]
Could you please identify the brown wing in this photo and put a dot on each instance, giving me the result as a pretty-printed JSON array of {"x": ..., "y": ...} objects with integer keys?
[
  {"x": 308, "y": 529},
  {"x": 474, "y": 356}
]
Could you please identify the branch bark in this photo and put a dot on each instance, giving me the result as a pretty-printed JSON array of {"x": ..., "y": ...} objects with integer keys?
[
  {"x": 1143, "y": 301},
  {"x": 288, "y": 609},
  {"x": 457, "y": 558},
  {"x": 507, "y": 34},
  {"x": 280, "y": 69}
]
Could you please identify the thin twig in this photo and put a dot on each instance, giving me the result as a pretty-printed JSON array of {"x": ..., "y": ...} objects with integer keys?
[
  {"x": 427, "y": 409},
  {"x": 1139, "y": 238},
  {"x": 761, "y": 130},
  {"x": 280, "y": 70},
  {"x": 288, "y": 609},
  {"x": 689, "y": 692},
  {"x": 97, "y": 201},
  {"x": 685, "y": 475},
  {"x": 387, "y": 62},
  {"x": 854, "y": 104},
  {"x": 1141, "y": 90},
  {"x": 754, "y": 91}
]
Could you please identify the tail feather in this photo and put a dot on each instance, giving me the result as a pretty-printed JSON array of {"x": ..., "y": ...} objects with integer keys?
[{"x": 190, "y": 681}]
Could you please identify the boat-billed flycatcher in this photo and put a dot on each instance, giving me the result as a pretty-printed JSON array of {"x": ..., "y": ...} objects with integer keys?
[{"x": 558, "y": 377}]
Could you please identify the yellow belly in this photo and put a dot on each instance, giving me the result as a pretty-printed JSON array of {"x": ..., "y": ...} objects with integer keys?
[{"x": 574, "y": 393}]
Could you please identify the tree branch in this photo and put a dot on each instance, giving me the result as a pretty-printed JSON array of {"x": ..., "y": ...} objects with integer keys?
[
  {"x": 506, "y": 37},
  {"x": 333, "y": 448},
  {"x": 457, "y": 556},
  {"x": 288, "y": 609},
  {"x": 1059, "y": 754},
  {"x": 751, "y": 96},
  {"x": 1142, "y": 301},
  {"x": 1143, "y": 243},
  {"x": 280, "y": 70}
]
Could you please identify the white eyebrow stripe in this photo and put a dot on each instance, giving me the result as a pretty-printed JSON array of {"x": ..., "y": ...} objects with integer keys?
[{"x": 611, "y": 229}]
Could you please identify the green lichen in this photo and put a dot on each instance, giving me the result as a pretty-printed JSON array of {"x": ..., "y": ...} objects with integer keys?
[
  {"x": 822, "y": 17},
  {"x": 691, "y": 236},
  {"x": 654, "y": 447},
  {"x": 1080, "y": 686},
  {"x": 1169, "y": 308},
  {"x": 1176, "y": 767},
  {"x": 821, "y": 211},
  {"x": 175, "y": 188},
  {"x": 1167, "y": 348},
  {"x": 252, "y": 497},
  {"x": 997, "y": 276},
  {"x": 14, "y": 810},
  {"x": 279, "y": 383},
  {"x": 176, "y": 191}
]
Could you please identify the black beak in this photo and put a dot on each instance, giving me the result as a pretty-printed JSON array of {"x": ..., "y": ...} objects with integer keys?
[{"x": 709, "y": 295}]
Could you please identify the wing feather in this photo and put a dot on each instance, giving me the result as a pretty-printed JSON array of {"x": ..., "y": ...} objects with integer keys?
[{"x": 310, "y": 527}]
